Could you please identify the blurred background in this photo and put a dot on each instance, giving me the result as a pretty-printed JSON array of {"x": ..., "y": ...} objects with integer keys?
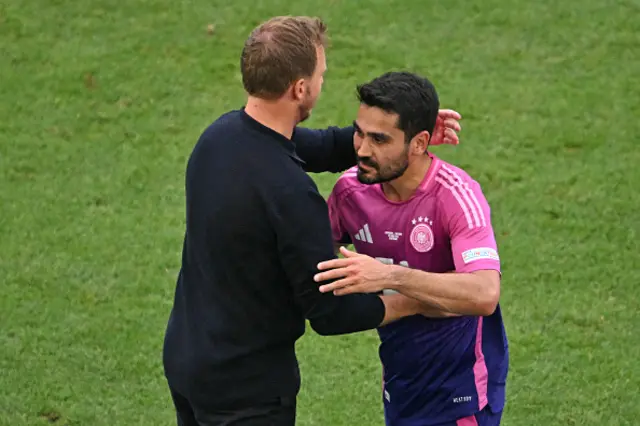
[{"x": 101, "y": 102}]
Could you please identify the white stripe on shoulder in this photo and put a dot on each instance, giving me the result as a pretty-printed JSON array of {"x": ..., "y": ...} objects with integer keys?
[
  {"x": 463, "y": 195},
  {"x": 465, "y": 186},
  {"x": 454, "y": 190},
  {"x": 347, "y": 175}
]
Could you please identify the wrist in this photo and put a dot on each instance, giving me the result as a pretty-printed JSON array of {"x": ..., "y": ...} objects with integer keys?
[{"x": 397, "y": 276}]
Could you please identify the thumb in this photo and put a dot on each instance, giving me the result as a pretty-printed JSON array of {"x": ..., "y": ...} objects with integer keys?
[{"x": 348, "y": 253}]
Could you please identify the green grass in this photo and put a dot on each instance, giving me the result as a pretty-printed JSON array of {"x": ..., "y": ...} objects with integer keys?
[{"x": 101, "y": 102}]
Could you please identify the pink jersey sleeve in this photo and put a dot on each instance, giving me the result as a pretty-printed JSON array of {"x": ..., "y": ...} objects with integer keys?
[
  {"x": 473, "y": 243},
  {"x": 339, "y": 233}
]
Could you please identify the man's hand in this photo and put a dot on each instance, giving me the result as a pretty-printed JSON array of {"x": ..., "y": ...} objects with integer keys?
[
  {"x": 447, "y": 128},
  {"x": 355, "y": 273}
]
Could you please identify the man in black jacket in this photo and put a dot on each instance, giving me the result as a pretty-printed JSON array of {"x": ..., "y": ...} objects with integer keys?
[{"x": 257, "y": 228}]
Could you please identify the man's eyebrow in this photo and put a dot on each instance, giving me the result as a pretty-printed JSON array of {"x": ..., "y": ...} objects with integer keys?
[
  {"x": 377, "y": 135},
  {"x": 380, "y": 136}
]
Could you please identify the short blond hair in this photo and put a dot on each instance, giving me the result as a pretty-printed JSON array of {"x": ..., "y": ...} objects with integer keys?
[{"x": 279, "y": 52}]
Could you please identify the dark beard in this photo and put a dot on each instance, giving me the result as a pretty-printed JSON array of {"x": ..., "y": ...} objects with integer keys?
[{"x": 386, "y": 174}]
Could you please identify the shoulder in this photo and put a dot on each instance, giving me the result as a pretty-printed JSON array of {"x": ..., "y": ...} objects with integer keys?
[
  {"x": 229, "y": 122},
  {"x": 347, "y": 183},
  {"x": 449, "y": 176},
  {"x": 215, "y": 135},
  {"x": 459, "y": 194}
]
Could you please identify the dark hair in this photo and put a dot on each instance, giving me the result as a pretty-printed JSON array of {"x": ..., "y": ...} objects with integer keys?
[
  {"x": 279, "y": 52},
  {"x": 412, "y": 97}
]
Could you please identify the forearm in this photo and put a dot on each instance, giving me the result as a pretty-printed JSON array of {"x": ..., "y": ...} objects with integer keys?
[
  {"x": 431, "y": 312},
  {"x": 334, "y": 315},
  {"x": 398, "y": 306},
  {"x": 457, "y": 293},
  {"x": 425, "y": 309},
  {"x": 326, "y": 150},
  {"x": 359, "y": 312}
]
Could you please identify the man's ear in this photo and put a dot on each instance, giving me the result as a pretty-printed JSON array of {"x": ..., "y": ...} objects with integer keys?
[
  {"x": 420, "y": 142},
  {"x": 298, "y": 89}
]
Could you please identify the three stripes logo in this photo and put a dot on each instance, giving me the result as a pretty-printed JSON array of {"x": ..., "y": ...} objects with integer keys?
[
  {"x": 364, "y": 234},
  {"x": 466, "y": 198}
]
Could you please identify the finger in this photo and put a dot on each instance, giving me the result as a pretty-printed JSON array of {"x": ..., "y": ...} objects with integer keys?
[
  {"x": 348, "y": 253},
  {"x": 348, "y": 290},
  {"x": 336, "y": 285},
  {"x": 332, "y": 274},
  {"x": 449, "y": 113},
  {"x": 450, "y": 123},
  {"x": 451, "y": 137},
  {"x": 335, "y": 263}
]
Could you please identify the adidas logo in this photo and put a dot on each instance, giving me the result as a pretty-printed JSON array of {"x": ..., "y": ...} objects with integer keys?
[{"x": 364, "y": 234}]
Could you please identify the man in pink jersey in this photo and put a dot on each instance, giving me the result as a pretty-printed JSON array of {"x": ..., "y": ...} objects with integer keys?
[{"x": 421, "y": 227}]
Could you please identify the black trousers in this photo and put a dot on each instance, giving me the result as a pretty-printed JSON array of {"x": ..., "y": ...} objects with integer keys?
[{"x": 277, "y": 412}]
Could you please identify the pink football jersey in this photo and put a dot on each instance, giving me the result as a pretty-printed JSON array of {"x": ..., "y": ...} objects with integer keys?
[
  {"x": 435, "y": 370},
  {"x": 444, "y": 226}
]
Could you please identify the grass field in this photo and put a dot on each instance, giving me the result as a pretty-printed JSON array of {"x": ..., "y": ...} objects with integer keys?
[{"x": 101, "y": 102}]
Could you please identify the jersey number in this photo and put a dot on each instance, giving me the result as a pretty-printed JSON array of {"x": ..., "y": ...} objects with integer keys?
[{"x": 389, "y": 261}]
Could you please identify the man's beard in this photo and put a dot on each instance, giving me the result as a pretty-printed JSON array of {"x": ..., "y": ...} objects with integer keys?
[
  {"x": 304, "y": 109},
  {"x": 376, "y": 174},
  {"x": 304, "y": 113}
]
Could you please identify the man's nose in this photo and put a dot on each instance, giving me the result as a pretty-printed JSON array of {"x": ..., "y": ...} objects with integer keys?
[{"x": 364, "y": 150}]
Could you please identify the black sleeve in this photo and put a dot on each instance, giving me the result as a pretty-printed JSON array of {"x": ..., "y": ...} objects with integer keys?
[
  {"x": 326, "y": 150},
  {"x": 301, "y": 222}
]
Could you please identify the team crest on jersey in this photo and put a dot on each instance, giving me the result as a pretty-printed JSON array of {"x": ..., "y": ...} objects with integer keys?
[{"x": 421, "y": 235}]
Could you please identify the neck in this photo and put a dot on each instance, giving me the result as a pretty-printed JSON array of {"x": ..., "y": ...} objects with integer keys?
[
  {"x": 276, "y": 115},
  {"x": 403, "y": 188}
]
